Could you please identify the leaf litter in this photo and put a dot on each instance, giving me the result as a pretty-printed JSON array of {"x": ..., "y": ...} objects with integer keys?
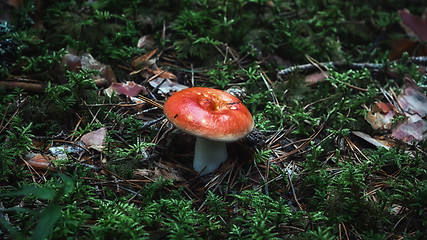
[{"x": 413, "y": 104}]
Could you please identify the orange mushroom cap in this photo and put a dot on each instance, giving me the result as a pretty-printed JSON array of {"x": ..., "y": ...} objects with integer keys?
[{"x": 209, "y": 113}]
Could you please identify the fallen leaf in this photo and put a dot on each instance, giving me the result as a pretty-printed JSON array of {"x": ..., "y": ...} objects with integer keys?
[
  {"x": 413, "y": 48},
  {"x": 380, "y": 116},
  {"x": 86, "y": 61},
  {"x": 143, "y": 62},
  {"x": 108, "y": 74},
  {"x": 414, "y": 25},
  {"x": 384, "y": 107},
  {"x": 73, "y": 62},
  {"x": 166, "y": 86},
  {"x": 39, "y": 161},
  {"x": 137, "y": 100},
  {"x": 143, "y": 173},
  {"x": 315, "y": 78},
  {"x": 130, "y": 89},
  {"x": 414, "y": 106},
  {"x": 166, "y": 172},
  {"x": 412, "y": 100},
  {"x": 162, "y": 73},
  {"x": 95, "y": 139},
  {"x": 15, "y": 3},
  {"x": 146, "y": 41},
  {"x": 410, "y": 131},
  {"x": 160, "y": 171}
]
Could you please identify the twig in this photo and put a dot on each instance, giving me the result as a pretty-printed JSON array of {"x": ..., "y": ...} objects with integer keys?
[
  {"x": 345, "y": 230},
  {"x": 309, "y": 68},
  {"x": 27, "y": 84}
]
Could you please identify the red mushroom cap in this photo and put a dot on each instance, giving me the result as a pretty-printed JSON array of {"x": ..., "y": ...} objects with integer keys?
[{"x": 209, "y": 113}]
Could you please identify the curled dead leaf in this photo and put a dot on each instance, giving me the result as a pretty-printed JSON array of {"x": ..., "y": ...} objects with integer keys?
[
  {"x": 39, "y": 161},
  {"x": 380, "y": 116},
  {"x": 129, "y": 88}
]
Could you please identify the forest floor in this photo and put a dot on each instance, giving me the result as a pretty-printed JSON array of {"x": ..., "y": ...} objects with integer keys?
[{"x": 337, "y": 92}]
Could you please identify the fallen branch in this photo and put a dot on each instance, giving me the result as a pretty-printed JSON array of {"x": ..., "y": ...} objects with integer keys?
[{"x": 311, "y": 68}]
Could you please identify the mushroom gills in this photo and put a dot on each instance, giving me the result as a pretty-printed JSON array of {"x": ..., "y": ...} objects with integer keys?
[{"x": 208, "y": 155}]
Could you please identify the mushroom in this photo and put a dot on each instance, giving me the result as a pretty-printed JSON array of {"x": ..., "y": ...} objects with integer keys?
[{"x": 215, "y": 117}]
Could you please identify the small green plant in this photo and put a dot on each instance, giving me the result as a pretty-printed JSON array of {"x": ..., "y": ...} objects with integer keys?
[
  {"x": 118, "y": 220},
  {"x": 136, "y": 150},
  {"x": 262, "y": 156},
  {"x": 222, "y": 75},
  {"x": 66, "y": 96},
  {"x": 347, "y": 202},
  {"x": 17, "y": 140},
  {"x": 43, "y": 62},
  {"x": 319, "y": 233},
  {"x": 259, "y": 214}
]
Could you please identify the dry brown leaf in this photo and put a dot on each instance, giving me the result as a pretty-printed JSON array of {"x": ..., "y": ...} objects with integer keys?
[
  {"x": 95, "y": 139},
  {"x": 39, "y": 161},
  {"x": 380, "y": 116},
  {"x": 142, "y": 61},
  {"x": 415, "y": 28},
  {"x": 413, "y": 48},
  {"x": 414, "y": 105},
  {"x": 414, "y": 25},
  {"x": 162, "y": 73},
  {"x": 86, "y": 61},
  {"x": 160, "y": 171}
]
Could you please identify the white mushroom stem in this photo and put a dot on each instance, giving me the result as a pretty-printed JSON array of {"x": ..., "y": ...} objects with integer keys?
[{"x": 208, "y": 155}]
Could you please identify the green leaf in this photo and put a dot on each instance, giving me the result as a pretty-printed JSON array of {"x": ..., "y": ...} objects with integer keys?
[
  {"x": 46, "y": 221},
  {"x": 43, "y": 193}
]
